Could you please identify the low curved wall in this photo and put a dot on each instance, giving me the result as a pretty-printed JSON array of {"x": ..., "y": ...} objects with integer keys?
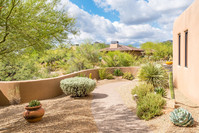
[{"x": 14, "y": 92}]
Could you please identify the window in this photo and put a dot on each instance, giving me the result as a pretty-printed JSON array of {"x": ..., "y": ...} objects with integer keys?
[
  {"x": 186, "y": 48},
  {"x": 179, "y": 41}
]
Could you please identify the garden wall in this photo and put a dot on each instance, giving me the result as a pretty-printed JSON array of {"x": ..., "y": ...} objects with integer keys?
[{"x": 12, "y": 92}]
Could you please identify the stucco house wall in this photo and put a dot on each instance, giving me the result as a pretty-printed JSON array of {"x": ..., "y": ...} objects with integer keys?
[{"x": 186, "y": 79}]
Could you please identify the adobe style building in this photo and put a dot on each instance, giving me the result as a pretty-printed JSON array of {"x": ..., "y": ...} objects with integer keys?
[
  {"x": 115, "y": 46},
  {"x": 186, "y": 52}
]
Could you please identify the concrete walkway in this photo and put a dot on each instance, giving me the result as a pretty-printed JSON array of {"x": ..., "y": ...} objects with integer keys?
[{"x": 110, "y": 113}]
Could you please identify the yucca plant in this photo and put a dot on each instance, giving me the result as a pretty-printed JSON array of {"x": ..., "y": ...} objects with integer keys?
[
  {"x": 161, "y": 91},
  {"x": 181, "y": 117},
  {"x": 154, "y": 74}
]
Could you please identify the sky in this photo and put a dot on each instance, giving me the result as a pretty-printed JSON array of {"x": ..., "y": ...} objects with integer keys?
[{"x": 127, "y": 21}]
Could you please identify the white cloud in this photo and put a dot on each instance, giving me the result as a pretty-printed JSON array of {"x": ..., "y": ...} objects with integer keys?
[{"x": 136, "y": 18}]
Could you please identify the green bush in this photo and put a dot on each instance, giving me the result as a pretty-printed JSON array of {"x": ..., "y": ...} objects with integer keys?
[
  {"x": 161, "y": 91},
  {"x": 128, "y": 75},
  {"x": 150, "y": 106},
  {"x": 104, "y": 74},
  {"x": 142, "y": 90},
  {"x": 118, "y": 72},
  {"x": 118, "y": 59},
  {"x": 154, "y": 74},
  {"x": 34, "y": 103},
  {"x": 77, "y": 86}
]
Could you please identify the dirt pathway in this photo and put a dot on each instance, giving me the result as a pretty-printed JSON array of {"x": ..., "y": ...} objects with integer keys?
[{"x": 110, "y": 113}]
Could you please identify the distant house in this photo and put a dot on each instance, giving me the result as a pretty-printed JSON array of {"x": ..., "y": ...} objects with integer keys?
[
  {"x": 115, "y": 46},
  {"x": 185, "y": 52}
]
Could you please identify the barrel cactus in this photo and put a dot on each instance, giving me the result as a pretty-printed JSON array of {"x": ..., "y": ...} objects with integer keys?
[{"x": 181, "y": 117}]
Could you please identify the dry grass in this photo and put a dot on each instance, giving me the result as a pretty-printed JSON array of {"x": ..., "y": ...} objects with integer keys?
[{"x": 63, "y": 114}]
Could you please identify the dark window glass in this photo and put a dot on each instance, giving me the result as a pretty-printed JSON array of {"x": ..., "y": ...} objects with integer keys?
[{"x": 186, "y": 48}]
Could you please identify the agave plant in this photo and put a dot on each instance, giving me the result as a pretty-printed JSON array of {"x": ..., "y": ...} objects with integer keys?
[{"x": 181, "y": 117}]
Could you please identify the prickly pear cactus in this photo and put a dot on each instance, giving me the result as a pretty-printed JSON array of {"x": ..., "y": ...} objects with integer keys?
[{"x": 181, "y": 117}]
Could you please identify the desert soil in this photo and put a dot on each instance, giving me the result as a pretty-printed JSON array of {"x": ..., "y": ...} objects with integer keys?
[
  {"x": 162, "y": 124},
  {"x": 63, "y": 114},
  {"x": 66, "y": 114}
]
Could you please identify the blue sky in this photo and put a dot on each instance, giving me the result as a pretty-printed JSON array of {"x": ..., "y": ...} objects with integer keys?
[{"x": 127, "y": 21}]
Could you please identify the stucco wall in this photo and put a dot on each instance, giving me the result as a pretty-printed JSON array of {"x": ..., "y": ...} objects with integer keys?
[
  {"x": 25, "y": 91},
  {"x": 187, "y": 79}
]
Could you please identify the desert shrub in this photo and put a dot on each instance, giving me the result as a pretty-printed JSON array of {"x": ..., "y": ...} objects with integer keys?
[
  {"x": 117, "y": 59},
  {"x": 109, "y": 76},
  {"x": 150, "y": 106},
  {"x": 77, "y": 86},
  {"x": 104, "y": 74},
  {"x": 142, "y": 90},
  {"x": 117, "y": 72},
  {"x": 161, "y": 91},
  {"x": 128, "y": 75},
  {"x": 34, "y": 103},
  {"x": 154, "y": 74},
  {"x": 158, "y": 50}
]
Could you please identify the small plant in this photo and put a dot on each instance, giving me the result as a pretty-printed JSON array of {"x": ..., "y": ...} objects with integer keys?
[
  {"x": 181, "y": 117},
  {"x": 77, "y": 86},
  {"x": 103, "y": 74},
  {"x": 90, "y": 76},
  {"x": 154, "y": 74},
  {"x": 142, "y": 90},
  {"x": 109, "y": 76},
  {"x": 171, "y": 85},
  {"x": 150, "y": 106},
  {"x": 34, "y": 103},
  {"x": 128, "y": 75},
  {"x": 161, "y": 91},
  {"x": 118, "y": 72}
]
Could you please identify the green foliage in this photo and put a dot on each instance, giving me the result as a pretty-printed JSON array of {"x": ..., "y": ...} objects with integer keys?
[
  {"x": 171, "y": 85},
  {"x": 142, "y": 90},
  {"x": 161, "y": 91},
  {"x": 128, "y": 75},
  {"x": 104, "y": 74},
  {"x": 158, "y": 51},
  {"x": 77, "y": 86},
  {"x": 34, "y": 103},
  {"x": 18, "y": 68},
  {"x": 85, "y": 56},
  {"x": 38, "y": 24},
  {"x": 109, "y": 76},
  {"x": 117, "y": 72},
  {"x": 118, "y": 59},
  {"x": 181, "y": 117},
  {"x": 154, "y": 74},
  {"x": 150, "y": 106},
  {"x": 54, "y": 59}
]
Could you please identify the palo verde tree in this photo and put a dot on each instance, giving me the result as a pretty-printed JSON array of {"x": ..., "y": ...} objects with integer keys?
[{"x": 38, "y": 24}]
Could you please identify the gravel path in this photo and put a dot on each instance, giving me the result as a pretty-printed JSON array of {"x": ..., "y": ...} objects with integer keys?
[{"x": 110, "y": 113}]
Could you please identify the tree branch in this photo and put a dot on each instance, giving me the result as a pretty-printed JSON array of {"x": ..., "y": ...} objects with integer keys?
[{"x": 14, "y": 4}]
